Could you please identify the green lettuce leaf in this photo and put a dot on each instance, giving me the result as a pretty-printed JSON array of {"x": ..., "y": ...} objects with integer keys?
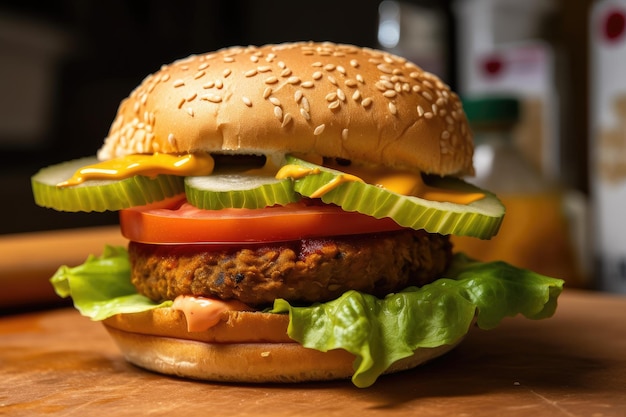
[
  {"x": 380, "y": 332},
  {"x": 377, "y": 331},
  {"x": 101, "y": 287}
]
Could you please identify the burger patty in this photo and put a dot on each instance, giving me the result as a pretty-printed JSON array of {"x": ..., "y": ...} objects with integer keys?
[{"x": 305, "y": 271}]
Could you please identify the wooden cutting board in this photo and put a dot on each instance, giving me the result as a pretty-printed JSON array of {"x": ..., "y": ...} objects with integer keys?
[{"x": 57, "y": 363}]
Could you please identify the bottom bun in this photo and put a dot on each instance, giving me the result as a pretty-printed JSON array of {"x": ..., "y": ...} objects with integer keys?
[{"x": 244, "y": 362}]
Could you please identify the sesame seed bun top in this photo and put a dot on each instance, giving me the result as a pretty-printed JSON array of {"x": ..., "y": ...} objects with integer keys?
[{"x": 311, "y": 98}]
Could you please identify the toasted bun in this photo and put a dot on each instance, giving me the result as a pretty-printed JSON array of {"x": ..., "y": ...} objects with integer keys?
[
  {"x": 309, "y": 98},
  {"x": 158, "y": 340}
]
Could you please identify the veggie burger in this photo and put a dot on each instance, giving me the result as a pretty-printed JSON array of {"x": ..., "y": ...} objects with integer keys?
[{"x": 289, "y": 210}]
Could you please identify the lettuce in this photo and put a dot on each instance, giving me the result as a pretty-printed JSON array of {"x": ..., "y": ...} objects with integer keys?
[
  {"x": 380, "y": 332},
  {"x": 101, "y": 287},
  {"x": 377, "y": 331}
]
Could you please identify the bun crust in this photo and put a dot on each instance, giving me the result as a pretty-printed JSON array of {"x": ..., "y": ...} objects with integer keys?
[
  {"x": 309, "y": 98},
  {"x": 157, "y": 340}
]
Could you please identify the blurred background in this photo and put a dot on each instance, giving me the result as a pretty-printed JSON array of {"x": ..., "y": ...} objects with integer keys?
[{"x": 65, "y": 66}]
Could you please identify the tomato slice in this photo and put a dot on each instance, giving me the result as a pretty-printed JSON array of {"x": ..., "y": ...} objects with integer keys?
[{"x": 182, "y": 223}]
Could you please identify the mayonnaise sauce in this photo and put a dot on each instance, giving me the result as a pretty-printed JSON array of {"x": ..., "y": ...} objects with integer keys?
[{"x": 203, "y": 313}]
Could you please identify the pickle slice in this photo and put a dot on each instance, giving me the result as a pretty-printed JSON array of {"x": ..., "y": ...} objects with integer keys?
[
  {"x": 238, "y": 190},
  {"x": 481, "y": 218},
  {"x": 99, "y": 195}
]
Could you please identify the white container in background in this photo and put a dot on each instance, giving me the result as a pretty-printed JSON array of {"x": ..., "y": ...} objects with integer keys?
[{"x": 608, "y": 142}]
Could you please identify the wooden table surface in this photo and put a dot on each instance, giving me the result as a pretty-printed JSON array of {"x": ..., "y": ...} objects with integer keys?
[{"x": 58, "y": 363}]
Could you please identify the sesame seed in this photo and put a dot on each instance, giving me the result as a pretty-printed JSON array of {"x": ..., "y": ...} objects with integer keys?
[
  {"x": 203, "y": 66},
  {"x": 171, "y": 139},
  {"x": 344, "y": 134},
  {"x": 317, "y": 64},
  {"x": 191, "y": 96},
  {"x": 287, "y": 119},
  {"x": 267, "y": 92},
  {"x": 305, "y": 114},
  {"x": 331, "y": 96},
  {"x": 329, "y": 67},
  {"x": 356, "y": 95},
  {"x": 307, "y": 84},
  {"x": 219, "y": 84},
  {"x": 305, "y": 104},
  {"x": 181, "y": 102},
  {"x": 317, "y": 75},
  {"x": 285, "y": 73},
  {"x": 332, "y": 80},
  {"x": 229, "y": 59},
  {"x": 264, "y": 68},
  {"x": 434, "y": 108},
  {"x": 319, "y": 130},
  {"x": 428, "y": 115},
  {"x": 271, "y": 80},
  {"x": 190, "y": 111},
  {"x": 385, "y": 68},
  {"x": 445, "y": 135},
  {"x": 208, "y": 85},
  {"x": 341, "y": 69},
  {"x": 427, "y": 95},
  {"x": 199, "y": 74},
  {"x": 354, "y": 63},
  {"x": 278, "y": 112},
  {"x": 334, "y": 105},
  {"x": 298, "y": 96},
  {"x": 246, "y": 101},
  {"x": 165, "y": 77},
  {"x": 254, "y": 58},
  {"x": 350, "y": 83},
  {"x": 136, "y": 107},
  {"x": 341, "y": 94},
  {"x": 360, "y": 79},
  {"x": 420, "y": 111},
  {"x": 212, "y": 98},
  {"x": 281, "y": 65},
  {"x": 366, "y": 102},
  {"x": 392, "y": 108},
  {"x": 250, "y": 73},
  {"x": 293, "y": 80},
  {"x": 274, "y": 101},
  {"x": 179, "y": 83},
  {"x": 415, "y": 75},
  {"x": 390, "y": 93}
]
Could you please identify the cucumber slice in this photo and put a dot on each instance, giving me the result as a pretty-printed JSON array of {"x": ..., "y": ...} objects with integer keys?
[
  {"x": 99, "y": 195},
  {"x": 238, "y": 190},
  {"x": 480, "y": 219}
]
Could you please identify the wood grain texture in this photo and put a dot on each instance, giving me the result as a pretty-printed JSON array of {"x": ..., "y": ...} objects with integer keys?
[{"x": 574, "y": 364}]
